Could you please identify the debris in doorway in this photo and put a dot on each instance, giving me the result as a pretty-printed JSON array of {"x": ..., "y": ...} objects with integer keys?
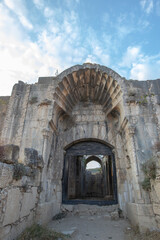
[
  {"x": 120, "y": 213},
  {"x": 59, "y": 216},
  {"x": 114, "y": 216}
]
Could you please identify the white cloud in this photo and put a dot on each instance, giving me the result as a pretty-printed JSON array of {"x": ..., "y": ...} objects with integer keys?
[
  {"x": 143, "y": 3},
  {"x": 39, "y": 3},
  {"x": 22, "y": 59},
  {"x": 139, "y": 71},
  {"x": 145, "y": 71},
  {"x": 48, "y": 12},
  {"x": 10, "y": 32},
  {"x": 139, "y": 65},
  {"x": 147, "y": 5},
  {"x": 20, "y": 10},
  {"x": 98, "y": 50},
  {"x": 25, "y": 22},
  {"x": 60, "y": 43},
  {"x": 131, "y": 56},
  {"x": 147, "y": 68},
  {"x": 90, "y": 59}
]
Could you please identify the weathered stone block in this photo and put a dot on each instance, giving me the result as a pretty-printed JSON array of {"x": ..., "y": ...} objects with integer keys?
[
  {"x": 46, "y": 211},
  {"x": 6, "y": 174},
  {"x": 153, "y": 194},
  {"x": 158, "y": 221},
  {"x": 147, "y": 222},
  {"x": 9, "y": 153},
  {"x": 17, "y": 229},
  {"x": 3, "y": 111},
  {"x": 157, "y": 188},
  {"x": 132, "y": 213},
  {"x": 59, "y": 196},
  {"x": 145, "y": 210},
  {"x": 3, "y": 197},
  {"x": 156, "y": 208},
  {"x": 12, "y": 206},
  {"x": 32, "y": 159},
  {"x": 28, "y": 202},
  {"x": 4, "y": 232}
]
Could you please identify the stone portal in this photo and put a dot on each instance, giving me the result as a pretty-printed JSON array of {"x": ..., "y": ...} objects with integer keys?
[
  {"x": 51, "y": 130},
  {"x": 83, "y": 186}
]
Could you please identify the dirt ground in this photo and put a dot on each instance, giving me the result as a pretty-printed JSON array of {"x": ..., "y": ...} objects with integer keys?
[
  {"x": 99, "y": 227},
  {"x": 91, "y": 227}
]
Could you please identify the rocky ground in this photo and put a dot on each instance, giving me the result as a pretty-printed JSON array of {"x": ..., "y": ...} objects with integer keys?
[
  {"x": 91, "y": 227},
  {"x": 86, "y": 222},
  {"x": 91, "y": 223}
]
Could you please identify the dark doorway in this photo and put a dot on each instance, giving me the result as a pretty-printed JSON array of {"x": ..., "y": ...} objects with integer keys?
[{"x": 89, "y": 174}]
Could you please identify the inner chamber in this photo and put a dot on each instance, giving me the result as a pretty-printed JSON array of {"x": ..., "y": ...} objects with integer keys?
[{"x": 94, "y": 184}]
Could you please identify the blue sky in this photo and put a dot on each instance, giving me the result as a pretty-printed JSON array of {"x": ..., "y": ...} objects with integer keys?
[{"x": 39, "y": 37}]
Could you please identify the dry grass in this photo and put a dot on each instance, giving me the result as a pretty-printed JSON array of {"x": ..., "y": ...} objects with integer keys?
[{"x": 38, "y": 232}]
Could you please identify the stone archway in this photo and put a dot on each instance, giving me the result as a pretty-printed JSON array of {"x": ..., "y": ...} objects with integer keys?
[
  {"x": 89, "y": 85},
  {"x": 91, "y": 102},
  {"x": 75, "y": 187},
  {"x": 85, "y": 103}
]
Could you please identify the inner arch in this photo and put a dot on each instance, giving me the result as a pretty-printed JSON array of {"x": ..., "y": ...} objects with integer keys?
[{"x": 89, "y": 187}]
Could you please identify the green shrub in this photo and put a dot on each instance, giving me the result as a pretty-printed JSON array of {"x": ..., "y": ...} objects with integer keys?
[
  {"x": 146, "y": 184},
  {"x": 149, "y": 169}
]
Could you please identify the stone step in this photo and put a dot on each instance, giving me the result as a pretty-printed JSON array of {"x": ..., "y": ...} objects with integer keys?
[{"x": 85, "y": 209}]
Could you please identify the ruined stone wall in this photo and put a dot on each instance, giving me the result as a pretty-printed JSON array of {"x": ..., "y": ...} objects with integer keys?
[
  {"x": 3, "y": 111},
  {"x": 155, "y": 191},
  {"x": 43, "y": 117},
  {"x": 30, "y": 109},
  {"x": 27, "y": 126},
  {"x": 19, "y": 190},
  {"x": 143, "y": 114}
]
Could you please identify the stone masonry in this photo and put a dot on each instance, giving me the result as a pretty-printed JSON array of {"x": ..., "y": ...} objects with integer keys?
[{"x": 40, "y": 122}]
